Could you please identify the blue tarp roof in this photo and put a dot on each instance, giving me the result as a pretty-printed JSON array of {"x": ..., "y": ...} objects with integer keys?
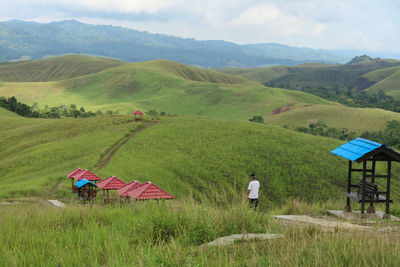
[
  {"x": 83, "y": 182},
  {"x": 355, "y": 149}
]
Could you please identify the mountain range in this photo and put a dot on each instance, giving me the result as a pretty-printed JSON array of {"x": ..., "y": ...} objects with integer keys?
[{"x": 21, "y": 40}]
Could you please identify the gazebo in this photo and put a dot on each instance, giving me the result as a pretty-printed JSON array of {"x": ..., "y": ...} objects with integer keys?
[
  {"x": 86, "y": 174},
  {"x": 87, "y": 190},
  {"x": 149, "y": 191},
  {"x": 123, "y": 191},
  {"x": 369, "y": 153},
  {"x": 110, "y": 183},
  {"x": 138, "y": 115},
  {"x": 71, "y": 176}
]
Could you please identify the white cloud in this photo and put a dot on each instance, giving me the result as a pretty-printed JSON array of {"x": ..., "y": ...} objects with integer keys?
[
  {"x": 122, "y": 6},
  {"x": 356, "y": 24}
]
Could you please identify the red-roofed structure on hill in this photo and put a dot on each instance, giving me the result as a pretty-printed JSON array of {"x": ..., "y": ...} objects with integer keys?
[
  {"x": 123, "y": 191},
  {"x": 110, "y": 183},
  {"x": 71, "y": 176},
  {"x": 138, "y": 115},
  {"x": 149, "y": 191},
  {"x": 86, "y": 174}
]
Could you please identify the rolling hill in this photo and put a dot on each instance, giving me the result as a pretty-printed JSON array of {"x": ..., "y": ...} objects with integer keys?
[
  {"x": 387, "y": 80},
  {"x": 54, "y": 68},
  {"x": 182, "y": 154},
  {"x": 162, "y": 85},
  {"x": 316, "y": 75},
  {"x": 354, "y": 119}
]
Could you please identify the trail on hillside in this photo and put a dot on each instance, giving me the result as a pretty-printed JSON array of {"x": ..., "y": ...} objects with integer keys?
[{"x": 110, "y": 152}]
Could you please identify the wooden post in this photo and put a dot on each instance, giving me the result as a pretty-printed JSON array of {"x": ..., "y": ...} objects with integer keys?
[
  {"x": 363, "y": 187},
  {"x": 348, "y": 207},
  {"x": 389, "y": 173},
  {"x": 371, "y": 208}
]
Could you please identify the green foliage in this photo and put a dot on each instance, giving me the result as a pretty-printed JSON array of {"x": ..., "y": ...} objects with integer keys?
[
  {"x": 361, "y": 59},
  {"x": 257, "y": 119},
  {"x": 47, "y": 112},
  {"x": 321, "y": 129},
  {"x": 390, "y": 136}
]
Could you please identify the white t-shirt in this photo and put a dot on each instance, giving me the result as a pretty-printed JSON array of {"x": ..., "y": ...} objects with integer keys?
[{"x": 253, "y": 187}]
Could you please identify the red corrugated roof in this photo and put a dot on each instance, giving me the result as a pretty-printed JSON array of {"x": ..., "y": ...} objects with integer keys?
[
  {"x": 149, "y": 191},
  {"x": 86, "y": 174},
  {"x": 123, "y": 191},
  {"x": 111, "y": 183},
  {"x": 74, "y": 172},
  {"x": 137, "y": 112}
]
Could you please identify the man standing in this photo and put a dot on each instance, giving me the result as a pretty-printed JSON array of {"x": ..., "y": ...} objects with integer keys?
[{"x": 252, "y": 191}]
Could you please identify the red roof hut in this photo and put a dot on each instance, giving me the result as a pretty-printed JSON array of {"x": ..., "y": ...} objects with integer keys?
[
  {"x": 123, "y": 191},
  {"x": 86, "y": 174},
  {"x": 138, "y": 115},
  {"x": 71, "y": 176},
  {"x": 149, "y": 191},
  {"x": 110, "y": 183}
]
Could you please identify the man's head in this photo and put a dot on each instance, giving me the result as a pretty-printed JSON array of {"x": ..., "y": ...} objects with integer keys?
[{"x": 252, "y": 176}]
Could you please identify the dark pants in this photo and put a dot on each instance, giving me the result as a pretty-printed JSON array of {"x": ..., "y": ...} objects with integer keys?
[{"x": 253, "y": 203}]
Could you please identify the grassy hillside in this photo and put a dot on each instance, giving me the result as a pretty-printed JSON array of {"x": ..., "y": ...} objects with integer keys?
[
  {"x": 185, "y": 155},
  {"x": 339, "y": 117},
  {"x": 54, "y": 68},
  {"x": 164, "y": 86},
  {"x": 387, "y": 80},
  {"x": 314, "y": 75}
]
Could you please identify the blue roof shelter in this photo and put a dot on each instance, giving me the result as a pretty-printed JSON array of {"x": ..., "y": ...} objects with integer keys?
[
  {"x": 83, "y": 182},
  {"x": 363, "y": 150},
  {"x": 87, "y": 190}
]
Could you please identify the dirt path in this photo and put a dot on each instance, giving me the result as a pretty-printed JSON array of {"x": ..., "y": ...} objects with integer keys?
[{"x": 110, "y": 152}]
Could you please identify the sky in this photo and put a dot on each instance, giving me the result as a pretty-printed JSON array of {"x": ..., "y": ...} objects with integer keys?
[{"x": 329, "y": 24}]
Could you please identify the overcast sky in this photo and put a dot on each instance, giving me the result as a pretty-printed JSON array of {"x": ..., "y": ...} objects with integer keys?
[{"x": 330, "y": 24}]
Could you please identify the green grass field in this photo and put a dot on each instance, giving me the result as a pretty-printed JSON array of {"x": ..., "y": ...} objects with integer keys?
[
  {"x": 204, "y": 160},
  {"x": 185, "y": 155},
  {"x": 338, "y": 117},
  {"x": 387, "y": 80},
  {"x": 54, "y": 68},
  {"x": 162, "y": 85}
]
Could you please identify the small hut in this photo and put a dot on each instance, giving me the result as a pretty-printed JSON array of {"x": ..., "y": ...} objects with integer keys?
[
  {"x": 110, "y": 183},
  {"x": 86, "y": 174},
  {"x": 138, "y": 115},
  {"x": 71, "y": 176},
  {"x": 369, "y": 153},
  {"x": 149, "y": 191},
  {"x": 123, "y": 191},
  {"x": 87, "y": 190}
]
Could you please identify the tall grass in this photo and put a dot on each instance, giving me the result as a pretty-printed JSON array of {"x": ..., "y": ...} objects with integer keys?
[{"x": 169, "y": 233}]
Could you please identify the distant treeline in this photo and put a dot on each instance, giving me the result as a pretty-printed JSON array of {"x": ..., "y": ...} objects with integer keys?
[
  {"x": 349, "y": 96},
  {"x": 390, "y": 136},
  {"x": 22, "y": 109}
]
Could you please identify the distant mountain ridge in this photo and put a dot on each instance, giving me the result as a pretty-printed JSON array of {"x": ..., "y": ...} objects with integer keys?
[{"x": 30, "y": 40}]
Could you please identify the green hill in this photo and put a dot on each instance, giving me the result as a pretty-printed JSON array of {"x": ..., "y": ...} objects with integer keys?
[
  {"x": 387, "y": 80},
  {"x": 54, "y": 68},
  {"x": 315, "y": 75},
  {"x": 162, "y": 85},
  {"x": 354, "y": 119},
  {"x": 183, "y": 154}
]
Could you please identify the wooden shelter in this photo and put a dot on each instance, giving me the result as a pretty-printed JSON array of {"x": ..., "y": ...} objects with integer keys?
[
  {"x": 149, "y": 191},
  {"x": 110, "y": 183},
  {"x": 87, "y": 190},
  {"x": 86, "y": 174},
  {"x": 123, "y": 191},
  {"x": 368, "y": 153},
  {"x": 71, "y": 176},
  {"x": 138, "y": 115}
]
